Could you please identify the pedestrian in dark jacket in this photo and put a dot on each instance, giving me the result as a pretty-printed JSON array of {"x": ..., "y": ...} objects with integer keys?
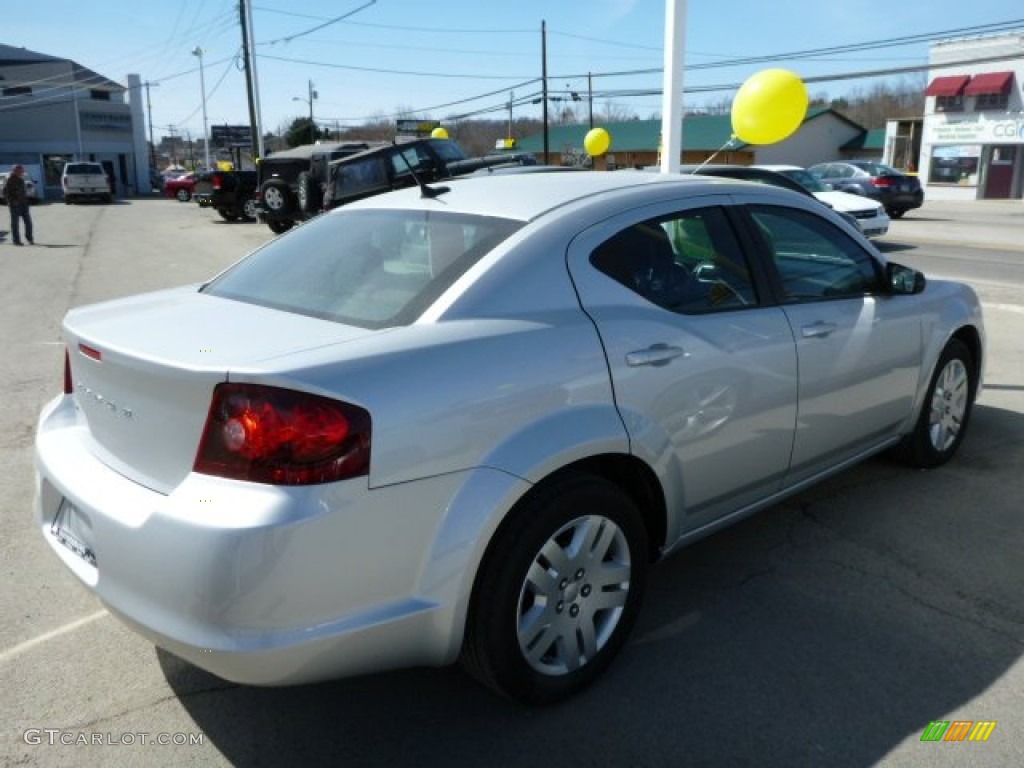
[{"x": 17, "y": 200}]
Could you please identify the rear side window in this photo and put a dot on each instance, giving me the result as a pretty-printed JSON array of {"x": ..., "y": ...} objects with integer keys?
[
  {"x": 689, "y": 263},
  {"x": 371, "y": 269},
  {"x": 359, "y": 176}
]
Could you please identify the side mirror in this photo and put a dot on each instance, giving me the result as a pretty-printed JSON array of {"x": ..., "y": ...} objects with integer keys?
[
  {"x": 829, "y": 187},
  {"x": 904, "y": 281}
]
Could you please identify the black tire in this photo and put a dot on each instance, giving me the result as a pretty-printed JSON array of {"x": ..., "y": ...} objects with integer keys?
[
  {"x": 310, "y": 195},
  {"x": 277, "y": 196},
  {"x": 183, "y": 195},
  {"x": 280, "y": 226},
  {"x": 595, "y": 588},
  {"x": 945, "y": 412},
  {"x": 228, "y": 215},
  {"x": 895, "y": 213},
  {"x": 250, "y": 209}
]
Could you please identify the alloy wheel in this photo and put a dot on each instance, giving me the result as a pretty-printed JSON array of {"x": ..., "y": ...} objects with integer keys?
[{"x": 573, "y": 595}]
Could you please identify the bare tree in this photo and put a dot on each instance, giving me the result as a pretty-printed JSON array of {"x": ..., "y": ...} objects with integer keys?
[{"x": 610, "y": 112}]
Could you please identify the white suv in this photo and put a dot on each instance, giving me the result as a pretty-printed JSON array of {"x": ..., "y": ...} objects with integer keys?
[
  {"x": 871, "y": 217},
  {"x": 84, "y": 180}
]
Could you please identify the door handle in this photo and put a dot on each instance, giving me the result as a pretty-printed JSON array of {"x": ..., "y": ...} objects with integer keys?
[
  {"x": 656, "y": 354},
  {"x": 818, "y": 330}
]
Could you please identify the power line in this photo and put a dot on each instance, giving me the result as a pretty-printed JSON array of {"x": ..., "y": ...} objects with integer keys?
[
  {"x": 330, "y": 65},
  {"x": 329, "y": 22}
]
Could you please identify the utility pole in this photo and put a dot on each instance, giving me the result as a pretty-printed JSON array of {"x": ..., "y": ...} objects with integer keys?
[
  {"x": 174, "y": 145},
  {"x": 254, "y": 136},
  {"x": 511, "y": 98},
  {"x": 590, "y": 98},
  {"x": 254, "y": 96},
  {"x": 544, "y": 84},
  {"x": 149, "y": 110}
]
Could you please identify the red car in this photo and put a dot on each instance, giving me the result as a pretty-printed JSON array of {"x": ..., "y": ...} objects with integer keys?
[{"x": 180, "y": 187}]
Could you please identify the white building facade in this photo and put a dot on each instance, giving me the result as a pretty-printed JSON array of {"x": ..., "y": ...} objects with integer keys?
[
  {"x": 973, "y": 133},
  {"x": 53, "y": 111}
]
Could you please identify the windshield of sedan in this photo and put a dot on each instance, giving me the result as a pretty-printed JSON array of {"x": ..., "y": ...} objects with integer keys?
[{"x": 371, "y": 269}]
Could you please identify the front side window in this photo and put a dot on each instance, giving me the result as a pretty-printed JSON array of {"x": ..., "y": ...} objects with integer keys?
[
  {"x": 414, "y": 157},
  {"x": 688, "y": 263},
  {"x": 371, "y": 269},
  {"x": 814, "y": 259}
]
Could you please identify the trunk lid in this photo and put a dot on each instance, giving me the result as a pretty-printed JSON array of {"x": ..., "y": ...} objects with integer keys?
[{"x": 143, "y": 371}]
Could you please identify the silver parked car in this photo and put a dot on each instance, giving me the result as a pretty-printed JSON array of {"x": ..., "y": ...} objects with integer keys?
[{"x": 458, "y": 423}]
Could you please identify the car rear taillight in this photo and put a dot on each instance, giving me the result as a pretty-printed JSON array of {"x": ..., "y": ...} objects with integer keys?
[
  {"x": 882, "y": 181},
  {"x": 69, "y": 386},
  {"x": 282, "y": 437},
  {"x": 216, "y": 181}
]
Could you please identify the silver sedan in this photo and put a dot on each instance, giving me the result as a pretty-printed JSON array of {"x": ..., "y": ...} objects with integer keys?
[{"x": 459, "y": 422}]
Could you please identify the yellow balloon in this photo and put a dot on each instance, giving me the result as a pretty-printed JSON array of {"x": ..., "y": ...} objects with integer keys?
[
  {"x": 769, "y": 106},
  {"x": 597, "y": 141},
  {"x": 439, "y": 133}
]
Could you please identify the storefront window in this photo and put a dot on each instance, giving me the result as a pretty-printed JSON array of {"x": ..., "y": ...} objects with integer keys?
[{"x": 956, "y": 164}]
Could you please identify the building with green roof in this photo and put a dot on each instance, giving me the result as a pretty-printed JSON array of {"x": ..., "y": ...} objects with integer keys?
[{"x": 823, "y": 135}]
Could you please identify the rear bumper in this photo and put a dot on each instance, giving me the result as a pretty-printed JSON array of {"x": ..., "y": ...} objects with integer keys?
[{"x": 261, "y": 584}]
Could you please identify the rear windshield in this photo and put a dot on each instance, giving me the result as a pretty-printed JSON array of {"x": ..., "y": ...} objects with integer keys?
[
  {"x": 805, "y": 179},
  {"x": 371, "y": 269},
  {"x": 877, "y": 169},
  {"x": 83, "y": 168}
]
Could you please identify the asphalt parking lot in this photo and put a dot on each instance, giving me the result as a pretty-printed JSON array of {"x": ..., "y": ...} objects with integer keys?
[{"x": 829, "y": 630}]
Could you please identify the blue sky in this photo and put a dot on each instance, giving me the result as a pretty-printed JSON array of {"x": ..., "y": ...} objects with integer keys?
[{"x": 441, "y": 58}]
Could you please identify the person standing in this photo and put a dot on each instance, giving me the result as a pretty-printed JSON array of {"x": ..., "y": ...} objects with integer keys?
[{"x": 17, "y": 200}]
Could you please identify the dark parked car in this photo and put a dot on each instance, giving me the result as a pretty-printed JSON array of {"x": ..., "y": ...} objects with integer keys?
[
  {"x": 895, "y": 190},
  {"x": 290, "y": 184},
  {"x": 395, "y": 166},
  {"x": 231, "y": 193}
]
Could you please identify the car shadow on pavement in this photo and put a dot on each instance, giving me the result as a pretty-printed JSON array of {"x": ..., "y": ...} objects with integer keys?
[
  {"x": 891, "y": 246},
  {"x": 827, "y": 630}
]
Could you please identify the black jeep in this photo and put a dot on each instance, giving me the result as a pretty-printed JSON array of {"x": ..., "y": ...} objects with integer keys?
[{"x": 291, "y": 182}]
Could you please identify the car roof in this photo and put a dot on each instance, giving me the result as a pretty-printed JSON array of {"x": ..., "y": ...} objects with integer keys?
[
  {"x": 306, "y": 151},
  {"x": 385, "y": 148},
  {"x": 530, "y": 195}
]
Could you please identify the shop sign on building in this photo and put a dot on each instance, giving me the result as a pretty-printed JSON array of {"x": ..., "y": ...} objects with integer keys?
[{"x": 983, "y": 129}]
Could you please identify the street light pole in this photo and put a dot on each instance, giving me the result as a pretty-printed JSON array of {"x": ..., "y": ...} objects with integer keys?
[
  {"x": 312, "y": 125},
  {"x": 197, "y": 51}
]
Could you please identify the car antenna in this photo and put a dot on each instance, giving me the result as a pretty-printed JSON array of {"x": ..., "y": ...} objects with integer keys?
[{"x": 426, "y": 190}]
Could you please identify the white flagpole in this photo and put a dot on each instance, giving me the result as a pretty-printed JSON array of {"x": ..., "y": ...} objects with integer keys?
[{"x": 672, "y": 85}]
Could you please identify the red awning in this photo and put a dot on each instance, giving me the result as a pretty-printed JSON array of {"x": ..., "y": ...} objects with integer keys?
[
  {"x": 990, "y": 82},
  {"x": 952, "y": 85}
]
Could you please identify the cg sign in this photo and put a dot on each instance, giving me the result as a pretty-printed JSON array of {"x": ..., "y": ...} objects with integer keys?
[{"x": 1008, "y": 129}]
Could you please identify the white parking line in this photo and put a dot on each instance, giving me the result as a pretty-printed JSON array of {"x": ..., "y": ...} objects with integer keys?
[
  {"x": 28, "y": 645},
  {"x": 1019, "y": 309}
]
